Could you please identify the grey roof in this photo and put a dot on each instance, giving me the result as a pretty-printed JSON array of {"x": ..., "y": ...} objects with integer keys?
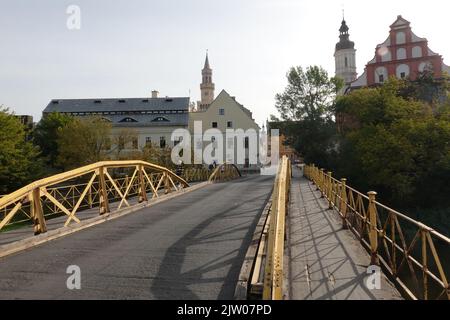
[
  {"x": 129, "y": 104},
  {"x": 145, "y": 111}
]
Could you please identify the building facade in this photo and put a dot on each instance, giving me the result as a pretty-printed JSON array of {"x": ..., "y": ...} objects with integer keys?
[
  {"x": 147, "y": 120},
  {"x": 403, "y": 55}
]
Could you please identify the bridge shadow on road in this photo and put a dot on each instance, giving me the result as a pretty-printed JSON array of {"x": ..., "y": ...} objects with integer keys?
[{"x": 205, "y": 262}]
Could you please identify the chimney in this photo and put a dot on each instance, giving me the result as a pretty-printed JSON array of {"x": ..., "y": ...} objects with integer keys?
[{"x": 155, "y": 93}]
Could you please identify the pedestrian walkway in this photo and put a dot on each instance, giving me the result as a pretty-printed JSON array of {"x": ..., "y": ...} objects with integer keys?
[{"x": 324, "y": 261}]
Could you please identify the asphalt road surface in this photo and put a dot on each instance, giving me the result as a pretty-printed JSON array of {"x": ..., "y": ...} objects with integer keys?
[{"x": 190, "y": 247}]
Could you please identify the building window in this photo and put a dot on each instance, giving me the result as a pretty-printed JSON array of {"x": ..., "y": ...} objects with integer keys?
[
  {"x": 400, "y": 37},
  {"x": 135, "y": 143},
  {"x": 221, "y": 112},
  {"x": 214, "y": 124},
  {"x": 381, "y": 78},
  {"x": 128, "y": 119},
  {"x": 229, "y": 124},
  {"x": 162, "y": 142},
  {"x": 148, "y": 141},
  {"x": 346, "y": 62},
  {"x": 417, "y": 52},
  {"x": 247, "y": 163},
  {"x": 401, "y": 53},
  {"x": 246, "y": 142},
  {"x": 402, "y": 71}
]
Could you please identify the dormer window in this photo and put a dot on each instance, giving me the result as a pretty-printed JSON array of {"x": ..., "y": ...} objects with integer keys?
[
  {"x": 160, "y": 119},
  {"x": 55, "y": 101},
  {"x": 97, "y": 101},
  {"x": 128, "y": 119},
  {"x": 121, "y": 101}
]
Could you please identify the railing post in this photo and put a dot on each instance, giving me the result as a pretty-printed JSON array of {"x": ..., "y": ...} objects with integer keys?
[
  {"x": 103, "y": 192},
  {"x": 320, "y": 185},
  {"x": 142, "y": 190},
  {"x": 330, "y": 190},
  {"x": 37, "y": 213},
  {"x": 343, "y": 206},
  {"x": 373, "y": 234},
  {"x": 424, "y": 263}
]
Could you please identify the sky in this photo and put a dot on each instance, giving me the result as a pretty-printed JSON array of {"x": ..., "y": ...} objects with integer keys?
[{"x": 127, "y": 48}]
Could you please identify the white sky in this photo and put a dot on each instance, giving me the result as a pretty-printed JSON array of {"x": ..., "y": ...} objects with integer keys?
[{"x": 126, "y": 48}]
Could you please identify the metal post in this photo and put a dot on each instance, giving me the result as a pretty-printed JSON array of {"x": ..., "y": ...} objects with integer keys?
[
  {"x": 103, "y": 193},
  {"x": 142, "y": 190},
  {"x": 373, "y": 234},
  {"x": 424, "y": 264},
  {"x": 343, "y": 206},
  {"x": 37, "y": 213},
  {"x": 320, "y": 185},
  {"x": 329, "y": 190}
]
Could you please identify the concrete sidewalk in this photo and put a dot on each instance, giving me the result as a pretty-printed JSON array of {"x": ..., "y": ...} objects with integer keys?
[{"x": 325, "y": 262}]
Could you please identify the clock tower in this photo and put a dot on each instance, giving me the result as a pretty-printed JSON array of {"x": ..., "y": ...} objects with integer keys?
[{"x": 345, "y": 56}]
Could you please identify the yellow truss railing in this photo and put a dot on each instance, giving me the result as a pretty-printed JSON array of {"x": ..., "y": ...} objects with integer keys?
[
  {"x": 391, "y": 237},
  {"x": 43, "y": 198},
  {"x": 224, "y": 172},
  {"x": 273, "y": 268}
]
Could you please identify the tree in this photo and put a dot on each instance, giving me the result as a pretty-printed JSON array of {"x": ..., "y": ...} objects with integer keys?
[
  {"x": 309, "y": 95},
  {"x": 46, "y": 133},
  {"x": 83, "y": 141},
  {"x": 307, "y": 106},
  {"x": 19, "y": 159},
  {"x": 395, "y": 145}
]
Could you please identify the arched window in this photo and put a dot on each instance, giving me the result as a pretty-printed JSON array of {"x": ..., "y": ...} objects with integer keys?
[
  {"x": 425, "y": 66},
  {"x": 401, "y": 53},
  {"x": 416, "y": 52},
  {"x": 381, "y": 74},
  {"x": 400, "y": 37},
  {"x": 402, "y": 71}
]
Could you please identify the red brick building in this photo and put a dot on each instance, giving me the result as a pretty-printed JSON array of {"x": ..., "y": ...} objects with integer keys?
[{"x": 403, "y": 54}]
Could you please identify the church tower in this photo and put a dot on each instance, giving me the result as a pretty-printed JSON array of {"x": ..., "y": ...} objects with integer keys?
[
  {"x": 345, "y": 56},
  {"x": 207, "y": 86}
]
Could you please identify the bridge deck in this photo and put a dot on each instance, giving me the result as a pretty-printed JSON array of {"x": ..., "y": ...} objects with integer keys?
[
  {"x": 325, "y": 261},
  {"x": 191, "y": 247}
]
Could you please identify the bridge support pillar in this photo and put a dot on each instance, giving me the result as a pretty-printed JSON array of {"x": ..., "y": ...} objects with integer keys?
[{"x": 373, "y": 233}]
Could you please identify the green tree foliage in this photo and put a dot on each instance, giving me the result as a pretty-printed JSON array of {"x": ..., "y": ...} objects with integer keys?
[
  {"x": 83, "y": 141},
  {"x": 19, "y": 162},
  {"x": 396, "y": 145},
  {"x": 46, "y": 133},
  {"x": 307, "y": 108},
  {"x": 309, "y": 94}
]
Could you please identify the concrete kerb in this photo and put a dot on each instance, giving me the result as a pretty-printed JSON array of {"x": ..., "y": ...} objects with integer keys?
[{"x": 33, "y": 241}]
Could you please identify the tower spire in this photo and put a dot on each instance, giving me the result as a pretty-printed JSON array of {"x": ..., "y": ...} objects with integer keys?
[
  {"x": 206, "y": 61},
  {"x": 207, "y": 86}
]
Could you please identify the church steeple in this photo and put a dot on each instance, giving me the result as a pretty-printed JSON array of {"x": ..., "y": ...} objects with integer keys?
[
  {"x": 207, "y": 86},
  {"x": 345, "y": 55}
]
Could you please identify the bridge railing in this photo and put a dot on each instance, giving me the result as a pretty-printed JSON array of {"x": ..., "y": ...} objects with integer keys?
[
  {"x": 414, "y": 255},
  {"x": 273, "y": 267},
  {"x": 94, "y": 186},
  {"x": 224, "y": 172}
]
